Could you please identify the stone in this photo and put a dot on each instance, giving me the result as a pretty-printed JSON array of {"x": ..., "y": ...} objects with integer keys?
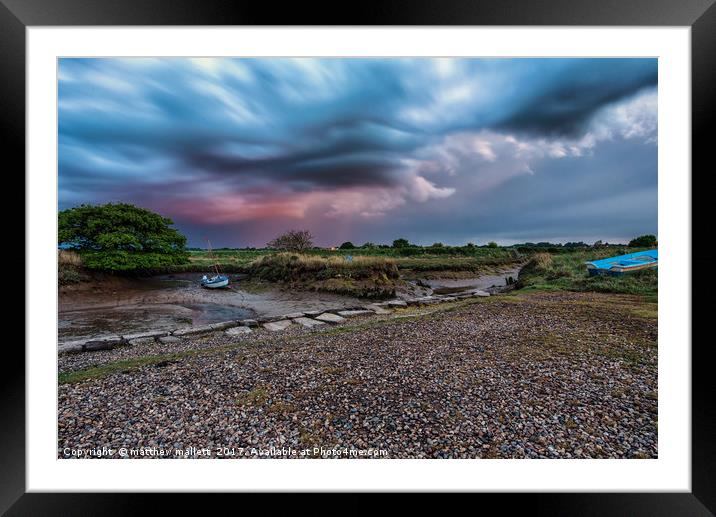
[
  {"x": 293, "y": 316},
  {"x": 223, "y": 325},
  {"x": 378, "y": 309},
  {"x": 397, "y": 303},
  {"x": 313, "y": 313},
  {"x": 249, "y": 323},
  {"x": 142, "y": 341},
  {"x": 448, "y": 299},
  {"x": 354, "y": 313},
  {"x": 308, "y": 322},
  {"x": 237, "y": 331},
  {"x": 188, "y": 331},
  {"x": 70, "y": 347},
  {"x": 478, "y": 292},
  {"x": 169, "y": 339},
  {"x": 149, "y": 334},
  {"x": 276, "y": 326},
  {"x": 330, "y": 318},
  {"x": 104, "y": 343}
]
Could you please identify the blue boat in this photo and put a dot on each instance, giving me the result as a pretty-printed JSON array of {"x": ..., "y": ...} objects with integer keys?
[{"x": 617, "y": 266}]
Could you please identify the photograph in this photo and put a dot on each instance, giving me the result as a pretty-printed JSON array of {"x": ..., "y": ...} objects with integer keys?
[{"x": 357, "y": 257}]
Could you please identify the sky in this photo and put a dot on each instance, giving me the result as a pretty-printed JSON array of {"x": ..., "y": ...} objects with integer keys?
[{"x": 449, "y": 150}]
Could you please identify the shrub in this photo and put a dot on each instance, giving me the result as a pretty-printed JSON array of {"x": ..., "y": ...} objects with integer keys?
[
  {"x": 293, "y": 240},
  {"x": 643, "y": 241}
]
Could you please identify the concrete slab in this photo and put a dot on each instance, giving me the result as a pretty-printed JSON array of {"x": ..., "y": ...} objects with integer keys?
[
  {"x": 308, "y": 322},
  {"x": 378, "y": 309},
  {"x": 237, "y": 331},
  {"x": 354, "y": 313},
  {"x": 330, "y": 318},
  {"x": 276, "y": 326}
]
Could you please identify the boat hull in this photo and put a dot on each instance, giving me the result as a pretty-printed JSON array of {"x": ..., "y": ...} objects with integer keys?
[
  {"x": 216, "y": 284},
  {"x": 617, "y": 266}
]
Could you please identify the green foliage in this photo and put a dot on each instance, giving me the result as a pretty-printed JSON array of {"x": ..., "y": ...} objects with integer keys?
[
  {"x": 121, "y": 237},
  {"x": 120, "y": 260},
  {"x": 401, "y": 243},
  {"x": 437, "y": 245},
  {"x": 568, "y": 272},
  {"x": 643, "y": 241},
  {"x": 492, "y": 244},
  {"x": 347, "y": 246}
]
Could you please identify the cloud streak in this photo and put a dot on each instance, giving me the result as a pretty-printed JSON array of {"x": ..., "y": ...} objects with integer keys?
[{"x": 431, "y": 148}]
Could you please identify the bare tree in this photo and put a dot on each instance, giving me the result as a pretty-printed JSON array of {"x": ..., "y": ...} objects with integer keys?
[{"x": 293, "y": 240}]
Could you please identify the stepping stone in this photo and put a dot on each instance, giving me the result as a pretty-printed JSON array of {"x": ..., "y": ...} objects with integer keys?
[
  {"x": 70, "y": 347},
  {"x": 249, "y": 323},
  {"x": 293, "y": 316},
  {"x": 237, "y": 331},
  {"x": 378, "y": 309},
  {"x": 142, "y": 341},
  {"x": 397, "y": 303},
  {"x": 354, "y": 313},
  {"x": 169, "y": 339},
  {"x": 104, "y": 343},
  {"x": 478, "y": 292},
  {"x": 149, "y": 334},
  {"x": 448, "y": 299},
  {"x": 222, "y": 325},
  {"x": 275, "y": 326},
  {"x": 308, "y": 322},
  {"x": 194, "y": 330},
  {"x": 330, "y": 318},
  {"x": 313, "y": 313}
]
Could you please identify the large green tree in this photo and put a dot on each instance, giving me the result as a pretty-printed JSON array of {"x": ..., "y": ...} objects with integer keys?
[{"x": 121, "y": 237}]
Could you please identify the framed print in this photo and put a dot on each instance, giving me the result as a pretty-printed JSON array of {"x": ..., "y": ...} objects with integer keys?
[{"x": 425, "y": 238}]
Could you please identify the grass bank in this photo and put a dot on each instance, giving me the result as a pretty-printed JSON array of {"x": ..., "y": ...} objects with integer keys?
[
  {"x": 567, "y": 272},
  {"x": 369, "y": 277}
]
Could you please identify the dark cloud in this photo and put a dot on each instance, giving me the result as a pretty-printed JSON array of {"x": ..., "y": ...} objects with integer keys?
[
  {"x": 363, "y": 148},
  {"x": 563, "y": 103}
]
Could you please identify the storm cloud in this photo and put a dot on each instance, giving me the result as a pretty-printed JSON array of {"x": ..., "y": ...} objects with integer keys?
[{"x": 450, "y": 150}]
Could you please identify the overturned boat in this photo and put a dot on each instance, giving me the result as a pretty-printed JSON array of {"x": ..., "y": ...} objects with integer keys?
[{"x": 616, "y": 266}]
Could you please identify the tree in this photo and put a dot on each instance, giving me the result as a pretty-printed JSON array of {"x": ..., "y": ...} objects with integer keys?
[
  {"x": 643, "y": 241},
  {"x": 293, "y": 240},
  {"x": 437, "y": 245},
  {"x": 492, "y": 244},
  {"x": 121, "y": 237},
  {"x": 347, "y": 246},
  {"x": 401, "y": 243},
  {"x": 369, "y": 245}
]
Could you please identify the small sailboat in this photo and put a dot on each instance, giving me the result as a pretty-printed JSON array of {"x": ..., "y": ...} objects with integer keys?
[
  {"x": 216, "y": 281},
  {"x": 617, "y": 266}
]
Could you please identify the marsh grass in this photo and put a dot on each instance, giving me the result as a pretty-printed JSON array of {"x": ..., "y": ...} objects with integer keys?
[{"x": 568, "y": 272}]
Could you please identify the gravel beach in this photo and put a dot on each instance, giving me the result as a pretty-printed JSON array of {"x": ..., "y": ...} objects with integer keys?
[{"x": 541, "y": 375}]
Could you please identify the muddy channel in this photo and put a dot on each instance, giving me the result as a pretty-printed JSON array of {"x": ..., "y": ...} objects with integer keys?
[{"x": 170, "y": 301}]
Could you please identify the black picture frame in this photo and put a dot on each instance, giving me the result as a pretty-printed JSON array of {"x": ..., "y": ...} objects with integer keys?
[{"x": 700, "y": 15}]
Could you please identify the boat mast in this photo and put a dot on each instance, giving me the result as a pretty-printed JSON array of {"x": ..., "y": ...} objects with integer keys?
[{"x": 211, "y": 254}]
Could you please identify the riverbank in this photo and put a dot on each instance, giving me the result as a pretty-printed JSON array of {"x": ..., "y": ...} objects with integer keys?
[{"x": 526, "y": 375}]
